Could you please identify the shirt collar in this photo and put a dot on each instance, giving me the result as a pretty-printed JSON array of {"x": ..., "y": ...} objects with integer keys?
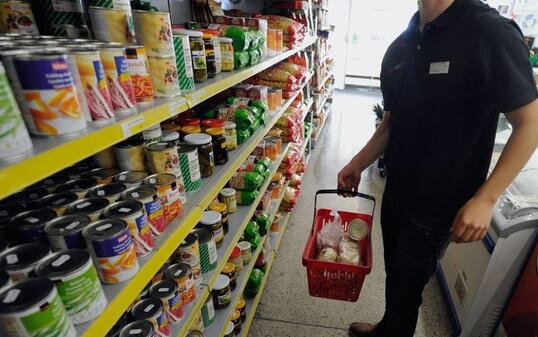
[{"x": 446, "y": 18}]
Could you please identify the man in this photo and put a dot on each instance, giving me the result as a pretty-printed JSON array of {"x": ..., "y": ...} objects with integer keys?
[{"x": 444, "y": 82}]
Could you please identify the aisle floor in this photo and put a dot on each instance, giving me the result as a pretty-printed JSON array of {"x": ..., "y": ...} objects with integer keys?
[{"x": 286, "y": 309}]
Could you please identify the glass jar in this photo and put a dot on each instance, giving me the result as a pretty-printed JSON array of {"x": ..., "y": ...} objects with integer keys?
[
  {"x": 190, "y": 122},
  {"x": 188, "y": 130},
  {"x": 227, "y": 196},
  {"x": 198, "y": 54},
  {"x": 236, "y": 259},
  {"x": 216, "y": 131},
  {"x": 221, "y": 208},
  {"x": 231, "y": 135},
  {"x": 213, "y": 220},
  {"x": 246, "y": 253},
  {"x": 229, "y": 270},
  {"x": 218, "y": 55},
  {"x": 210, "y": 59},
  {"x": 205, "y": 152},
  {"x": 242, "y": 307},
  {"x": 222, "y": 293},
  {"x": 226, "y": 53},
  {"x": 236, "y": 320}
]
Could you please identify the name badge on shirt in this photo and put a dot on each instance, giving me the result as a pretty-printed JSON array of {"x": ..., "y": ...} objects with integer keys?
[{"x": 439, "y": 67}]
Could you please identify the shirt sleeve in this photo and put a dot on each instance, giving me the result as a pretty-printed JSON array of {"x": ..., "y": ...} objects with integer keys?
[
  {"x": 387, "y": 82},
  {"x": 504, "y": 69}
]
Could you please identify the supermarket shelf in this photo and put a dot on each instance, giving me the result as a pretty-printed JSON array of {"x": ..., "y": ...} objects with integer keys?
[
  {"x": 308, "y": 108},
  {"x": 180, "y": 328},
  {"x": 322, "y": 84},
  {"x": 224, "y": 81},
  {"x": 322, "y": 105},
  {"x": 305, "y": 143},
  {"x": 285, "y": 220},
  {"x": 51, "y": 155}
]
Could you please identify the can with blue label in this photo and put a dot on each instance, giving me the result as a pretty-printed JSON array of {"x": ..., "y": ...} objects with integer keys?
[
  {"x": 65, "y": 232},
  {"x": 29, "y": 226}
]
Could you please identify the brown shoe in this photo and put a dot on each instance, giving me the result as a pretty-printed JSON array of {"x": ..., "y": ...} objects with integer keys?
[{"x": 361, "y": 330}]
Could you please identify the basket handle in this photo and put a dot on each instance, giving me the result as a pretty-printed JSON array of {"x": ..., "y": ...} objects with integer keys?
[{"x": 352, "y": 193}]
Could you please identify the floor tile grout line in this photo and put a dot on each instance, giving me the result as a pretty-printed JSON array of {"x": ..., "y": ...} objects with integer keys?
[{"x": 299, "y": 323}]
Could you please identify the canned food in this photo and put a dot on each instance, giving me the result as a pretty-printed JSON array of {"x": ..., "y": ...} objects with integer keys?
[
  {"x": 163, "y": 71},
  {"x": 169, "y": 192},
  {"x": 208, "y": 313},
  {"x": 92, "y": 207},
  {"x": 118, "y": 327},
  {"x": 52, "y": 182},
  {"x": 77, "y": 171},
  {"x": 76, "y": 280},
  {"x": 58, "y": 201},
  {"x": 93, "y": 79},
  {"x": 5, "y": 281},
  {"x": 159, "y": 276},
  {"x": 208, "y": 249},
  {"x": 153, "y": 134},
  {"x": 152, "y": 310},
  {"x": 102, "y": 176},
  {"x": 29, "y": 226},
  {"x": 111, "y": 246},
  {"x": 29, "y": 197},
  {"x": 221, "y": 208},
  {"x": 189, "y": 253},
  {"x": 49, "y": 98},
  {"x": 65, "y": 232},
  {"x": 138, "y": 68},
  {"x": 167, "y": 291},
  {"x": 131, "y": 179},
  {"x": 112, "y": 192},
  {"x": 190, "y": 167},
  {"x": 213, "y": 220},
  {"x": 147, "y": 195},
  {"x": 138, "y": 329},
  {"x": 133, "y": 213},
  {"x": 112, "y": 24},
  {"x": 206, "y": 157},
  {"x": 181, "y": 273},
  {"x": 33, "y": 308},
  {"x": 105, "y": 158},
  {"x": 15, "y": 141},
  {"x": 119, "y": 82},
  {"x": 78, "y": 186},
  {"x": 162, "y": 157},
  {"x": 60, "y": 18},
  {"x": 19, "y": 261},
  {"x": 155, "y": 32},
  {"x": 184, "y": 62},
  {"x": 7, "y": 211},
  {"x": 130, "y": 156},
  {"x": 17, "y": 17}
]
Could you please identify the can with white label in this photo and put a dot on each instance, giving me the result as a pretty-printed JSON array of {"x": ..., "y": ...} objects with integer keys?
[{"x": 19, "y": 261}]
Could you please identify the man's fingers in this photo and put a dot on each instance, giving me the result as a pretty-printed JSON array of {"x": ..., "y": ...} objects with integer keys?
[
  {"x": 468, "y": 234},
  {"x": 476, "y": 235}
]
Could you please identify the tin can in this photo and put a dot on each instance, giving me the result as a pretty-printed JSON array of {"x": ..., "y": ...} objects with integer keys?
[
  {"x": 138, "y": 68},
  {"x": 105, "y": 158},
  {"x": 159, "y": 276},
  {"x": 111, "y": 192},
  {"x": 7, "y": 211},
  {"x": 58, "y": 201},
  {"x": 19, "y": 261},
  {"x": 112, "y": 24},
  {"x": 138, "y": 329},
  {"x": 130, "y": 156},
  {"x": 74, "y": 32},
  {"x": 134, "y": 214},
  {"x": 15, "y": 141},
  {"x": 77, "y": 171},
  {"x": 28, "y": 197},
  {"x": 169, "y": 192},
  {"x": 94, "y": 84},
  {"x": 52, "y": 182},
  {"x": 119, "y": 82},
  {"x": 162, "y": 157},
  {"x": 131, "y": 179},
  {"x": 50, "y": 102},
  {"x": 208, "y": 249},
  {"x": 184, "y": 62},
  {"x": 167, "y": 291},
  {"x": 208, "y": 313},
  {"x": 155, "y": 32},
  {"x": 78, "y": 186},
  {"x": 92, "y": 207},
  {"x": 29, "y": 226},
  {"x": 181, "y": 273},
  {"x": 5, "y": 281},
  {"x": 163, "y": 73},
  {"x": 118, "y": 327},
  {"x": 147, "y": 195},
  {"x": 111, "y": 246},
  {"x": 17, "y": 17},
  {"x": 152, "y": 135},
  {"x": 189, "y": 252},
  {"x": 152, "y": 310},
  {"x": 102, "y": 176},
  {"x": 34, "y": 308},
  {"x": 59, "y": 17},
  {"x": 78, "y": 285},
  {"x": 65, "y": 232},
  {"x": 197, "y": 326}
]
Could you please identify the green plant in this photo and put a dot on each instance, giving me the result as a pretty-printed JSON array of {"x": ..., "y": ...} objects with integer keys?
[{"x": 378, "y": 110}]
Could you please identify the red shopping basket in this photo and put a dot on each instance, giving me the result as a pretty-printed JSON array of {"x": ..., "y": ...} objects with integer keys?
[{"x": 338, "y": 281}]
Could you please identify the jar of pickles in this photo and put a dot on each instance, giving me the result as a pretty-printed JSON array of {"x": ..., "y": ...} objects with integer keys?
[
  {"x": 229, "y": 270},
  {"x": 231, "y": 135},
  {"x": 215, "y": 128},
  {"x": 221, "y": 208},
  {"x": 226, "y": 53},
  {"x": 227, "y": 196},
  {"x": 210, "y": 55},
  {"x": 205, "y": 152},
  {"x": 198, "y": 54}
]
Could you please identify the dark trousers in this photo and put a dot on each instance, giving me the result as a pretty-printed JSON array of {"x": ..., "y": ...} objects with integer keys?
[{"x": 412, "y": 246}]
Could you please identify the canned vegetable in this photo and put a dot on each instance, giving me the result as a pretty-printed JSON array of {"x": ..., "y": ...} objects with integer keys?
[
  {"x": 19, "y": 261},
  {"x": 167, "y": 291},
  {"x": 65, "y": 232},
  {"x": 29, "y": 226},
  {"x": 148, "y": 196},
  {"x": 181, "y": 273},
  {"x": 92, "y": 207},
  {"x": 58, "y": 201},
  {"x": 152, "y": 310}
]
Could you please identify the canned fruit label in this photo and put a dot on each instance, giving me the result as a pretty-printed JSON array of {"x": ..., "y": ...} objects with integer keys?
[
  {"x": 187, "y": 290},
  {"x": 118, "y": 81},
  {"x": 115, "y": 258},
  {"x": 155, "y": 33},
  {"x": 112, "y": 25},
  {"x": 51, "y": 106},
  {"x": 196, "y": 272},
  {"x": 156, "y": 218},
  {"x": 92, "y": 76},
  {"x": 142, "y": 235},
  {"x": 14, "y": 138},
  {"x": 165, "y": 161},
  {"x": 138, "y": 68},
  {"x": 184, "y": 62},
  {"x": 175, "y": 308},
  {"x": 169, "y": 197},
  {"x": 73, "y": 241},
  {"x": 198, "y": 60},
  {"x": 163, "y": 326},
  {"x": 17, "y": 17},
  {"x": 163, "y": 73}
]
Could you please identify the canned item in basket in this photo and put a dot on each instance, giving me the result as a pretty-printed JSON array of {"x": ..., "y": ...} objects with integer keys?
[
  {"x": 208, "y": 249},
  {"x": 15, "y": 141},
  {"x": 112, "y": 192},
  {"x": 138, "y": 329},
  {"x": 163, "y": 73},
  {"x": 181, "y": 273},
  {"x": 65, "y": 232},
  {"x": 29, "y": 226},
  {"x": 167, "y": 291},
  {"x": 78, "y": 186},
  {"x": 119, "y": 82},
  {"x": 92, "y": 207},
  {"x": 58, "y": 201},
  {"x": 49, "y": 98},
  {"x": 189, "y": 253},
  {"x": 184, "y": 62},
  {"x": 111, "y": 247},
  {"x": 76, "y": 280},
  {"x": 60, "y": 18},
  {"x": 152, "y": 310},
  {"x": 131, "y": 178},
  {"x": 19, "y": 261},
  {"x": 34, "y": 308},
  {"x": 155, "y": 32},
  {"x": 169, "y": 192},
  {"x": 190, "y": 167},
  {"x": 133, "y": 213},
  {"x": 17, "y": 17},
  {"x": 162, "y": 157},
  {"x": 130, "y": 156},
  {"x": 112, "y": 24},
  {"x": 147, "y": 195},
  {"x": 138, "y": 68}
]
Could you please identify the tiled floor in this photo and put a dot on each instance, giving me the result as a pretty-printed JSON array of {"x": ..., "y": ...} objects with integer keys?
[{"x": 286, "y": 309}]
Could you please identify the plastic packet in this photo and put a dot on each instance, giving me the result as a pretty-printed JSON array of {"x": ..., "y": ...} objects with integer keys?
[
  {"x": 331, "y": 234},
  {"x": 246, "y": 181}
]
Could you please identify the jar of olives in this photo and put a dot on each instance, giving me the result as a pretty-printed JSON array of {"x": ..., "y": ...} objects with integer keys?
[
  {"x": 205, "y": 152},
  {"x": 198, "y": 54}
]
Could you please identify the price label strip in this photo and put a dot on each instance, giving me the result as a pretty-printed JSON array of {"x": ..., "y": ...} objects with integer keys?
[
  {"x": 133, "y": 126},
  {"x": 177, "y": 106}
]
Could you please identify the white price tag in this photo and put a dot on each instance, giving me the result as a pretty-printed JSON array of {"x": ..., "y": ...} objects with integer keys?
[
  {"x": 175, "y": 107},
  {"x": 133, "y": 126},
  {"x": 198, "y": 96}
]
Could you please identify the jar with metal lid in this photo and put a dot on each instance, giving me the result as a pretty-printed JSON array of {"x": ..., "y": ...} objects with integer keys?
[
  {"x": 231, "y": 135},
  {"x": 170, "y": 136},
  {"x": 92, "y": 207},
  {"x": 213, "y": 220},
  {"x": 246, "y": 252},
  {"x": 229, "y": 270},
  {"x": 210, "y": 55},
  {"x": 195, "y": 333},
  {"x": 226, "y": 53},
  {"x": 229, "y": 330},
  {"x": 205, "y": 152},
  {"x": 242, "y": 307},
  {"x": 236, "y": 259},
  {"x": 219, "y": 143},
  {"x": 236, "y": 320},
  {"x": 222, "y": 293},
  {"x": 198, "y": 54},
  {"x": 221, "y": 208},
  {"x": 190, "y": 122},
  {"x": 190, "y": 129},
  {"x": 227, "y": 196}
]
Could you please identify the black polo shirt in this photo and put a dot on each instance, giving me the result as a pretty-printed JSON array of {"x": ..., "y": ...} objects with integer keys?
[{"x": 445, "y": 88}]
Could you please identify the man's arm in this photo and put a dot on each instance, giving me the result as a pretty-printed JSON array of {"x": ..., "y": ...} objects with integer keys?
[
  {"x": 473, "y": 220},
  {"x": 350, "y": 176}
]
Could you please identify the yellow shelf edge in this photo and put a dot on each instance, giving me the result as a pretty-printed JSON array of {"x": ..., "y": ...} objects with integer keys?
[
  {"x": 281, "y": 234},
  {"x": 185, "y": 325}
]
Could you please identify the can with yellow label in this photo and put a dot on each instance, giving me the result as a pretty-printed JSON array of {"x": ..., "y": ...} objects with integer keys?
[{"x": 163, "y": 71}]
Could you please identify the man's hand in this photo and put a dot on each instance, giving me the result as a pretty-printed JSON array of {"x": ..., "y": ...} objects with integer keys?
[
  {"x": 472, "y": 221},
  {"x": 349, "y": 177}
]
